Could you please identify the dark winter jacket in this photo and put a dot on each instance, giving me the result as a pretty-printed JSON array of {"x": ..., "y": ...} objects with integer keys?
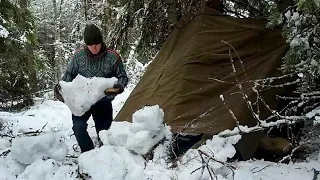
[{"x": 107, "y": 63}]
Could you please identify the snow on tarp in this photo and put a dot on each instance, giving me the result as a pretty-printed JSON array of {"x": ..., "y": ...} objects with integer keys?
[
  {"x": 146, "y": 130},
  {"x": 29, "y": 149},
  {"x": 80, "y": 94}
]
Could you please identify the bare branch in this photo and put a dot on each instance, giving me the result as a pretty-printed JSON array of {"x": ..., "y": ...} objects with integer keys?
[
  {"x": 221, "y": 81},
  {"x": 261, "y": 168},
  {"x": 230, "y": 111},
  {"x": 244, "y": 96}
]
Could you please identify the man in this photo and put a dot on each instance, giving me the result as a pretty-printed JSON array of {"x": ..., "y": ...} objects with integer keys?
[{"x": 95, "y": 60}]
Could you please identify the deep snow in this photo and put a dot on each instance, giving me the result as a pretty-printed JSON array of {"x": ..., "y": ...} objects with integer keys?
[{"x": 54, "y": 154}]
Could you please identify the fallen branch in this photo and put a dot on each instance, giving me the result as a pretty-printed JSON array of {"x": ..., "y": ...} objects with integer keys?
[
  {"x": 149, "y": 155},
  {"x": 261, "y": 169},
  {"x": 232, "y": 167},
  {"x": 308, "y": 136},
  {"x": 37, "y": 132},
  {"x": 289, "y": 156},
  {"x": 205, "y": 165},
  {"x": 71, "y": 156},
  {"x": 7, "y": 135}
]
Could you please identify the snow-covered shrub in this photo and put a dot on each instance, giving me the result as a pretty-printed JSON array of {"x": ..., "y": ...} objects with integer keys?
[{"x": 301, "y": 29}]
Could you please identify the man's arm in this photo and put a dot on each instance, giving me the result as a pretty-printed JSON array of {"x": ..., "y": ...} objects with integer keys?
[
  {"x": 119, "y": 71},
  {"x": 71, "y": 71},
  {"x": 121, "y": 75}
]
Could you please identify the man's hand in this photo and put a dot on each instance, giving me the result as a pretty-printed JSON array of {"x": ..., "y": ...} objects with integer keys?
[
  {"x": 112, "y": 92},
  {"x": 57, "y": 94}
]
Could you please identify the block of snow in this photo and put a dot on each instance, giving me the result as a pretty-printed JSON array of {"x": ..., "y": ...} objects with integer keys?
[
  {"x": 29, "y": 149},
  {"x": 148, "y": 118},
  {"x": 117, "y": 135},
  {"x": 80, "y": 94},
  {"x": 146, "y": 130},
  {"x": 111, "y": 162}
]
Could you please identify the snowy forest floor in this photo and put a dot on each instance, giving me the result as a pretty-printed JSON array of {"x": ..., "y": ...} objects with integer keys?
[{"x": 39, "y": 144}]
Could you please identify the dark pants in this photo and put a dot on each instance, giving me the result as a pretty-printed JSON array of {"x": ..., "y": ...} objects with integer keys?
[{"x": 102, "y": 116}]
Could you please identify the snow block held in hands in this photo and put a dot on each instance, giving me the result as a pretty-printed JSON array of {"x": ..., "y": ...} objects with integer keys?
[{"x": 80, "y": 94}]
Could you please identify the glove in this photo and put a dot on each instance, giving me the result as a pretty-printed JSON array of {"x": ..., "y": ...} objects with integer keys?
[
  {"x": 120, "y": 87},
  {"x": 112, "y": 92},
  {"x": 57, "y": 94}
]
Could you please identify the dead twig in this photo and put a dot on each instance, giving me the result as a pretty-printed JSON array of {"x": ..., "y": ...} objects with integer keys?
[
  {"x": 239, "y": 84},
  {"x": 71, "y": 156},
  {"x": 231, "y": 112},
  {"x": 241, "y": 62},
  {"x": 204, "y": 166},
  {"x": 5, "y": 153},
  {"x": 221, "y": 81},
  {"x": 230, "y": 166},
  {"x": 260, "y": 169},
  {"x": 289, "y": 156},
  {"x": 149, "y": 155},
  {"x": 37, "y": 132}
]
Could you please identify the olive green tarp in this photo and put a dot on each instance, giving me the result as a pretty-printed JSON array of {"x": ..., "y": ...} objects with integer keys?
[{"x": 179, "y": 79}]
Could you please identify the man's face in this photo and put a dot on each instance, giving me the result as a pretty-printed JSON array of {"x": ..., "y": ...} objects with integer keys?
[{"x": 94, "y": 49}]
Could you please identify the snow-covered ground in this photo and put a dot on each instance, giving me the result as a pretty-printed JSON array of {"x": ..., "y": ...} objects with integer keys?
[{"x": 44, "y": 147}]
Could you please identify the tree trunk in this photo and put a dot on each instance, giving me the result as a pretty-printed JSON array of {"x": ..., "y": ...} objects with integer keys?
[
  {"x": 57, "y": 41},
  {"x": 85, "y": 10},
  {"x": 30, "y": 60},
  {"x": 174, "y": 13}
]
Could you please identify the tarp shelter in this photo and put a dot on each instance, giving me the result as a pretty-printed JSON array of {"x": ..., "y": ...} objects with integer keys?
[{"x": 179, "y": 79}]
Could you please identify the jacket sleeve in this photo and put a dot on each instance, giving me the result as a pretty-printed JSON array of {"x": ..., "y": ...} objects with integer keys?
[
  {"x": 121, "y": 73},
  {"x": 71, "y": 72},
  {"x": 119, "y": 70}
]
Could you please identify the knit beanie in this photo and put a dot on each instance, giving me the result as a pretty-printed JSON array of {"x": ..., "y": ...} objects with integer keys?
[{"x": 92, "y": 35}]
